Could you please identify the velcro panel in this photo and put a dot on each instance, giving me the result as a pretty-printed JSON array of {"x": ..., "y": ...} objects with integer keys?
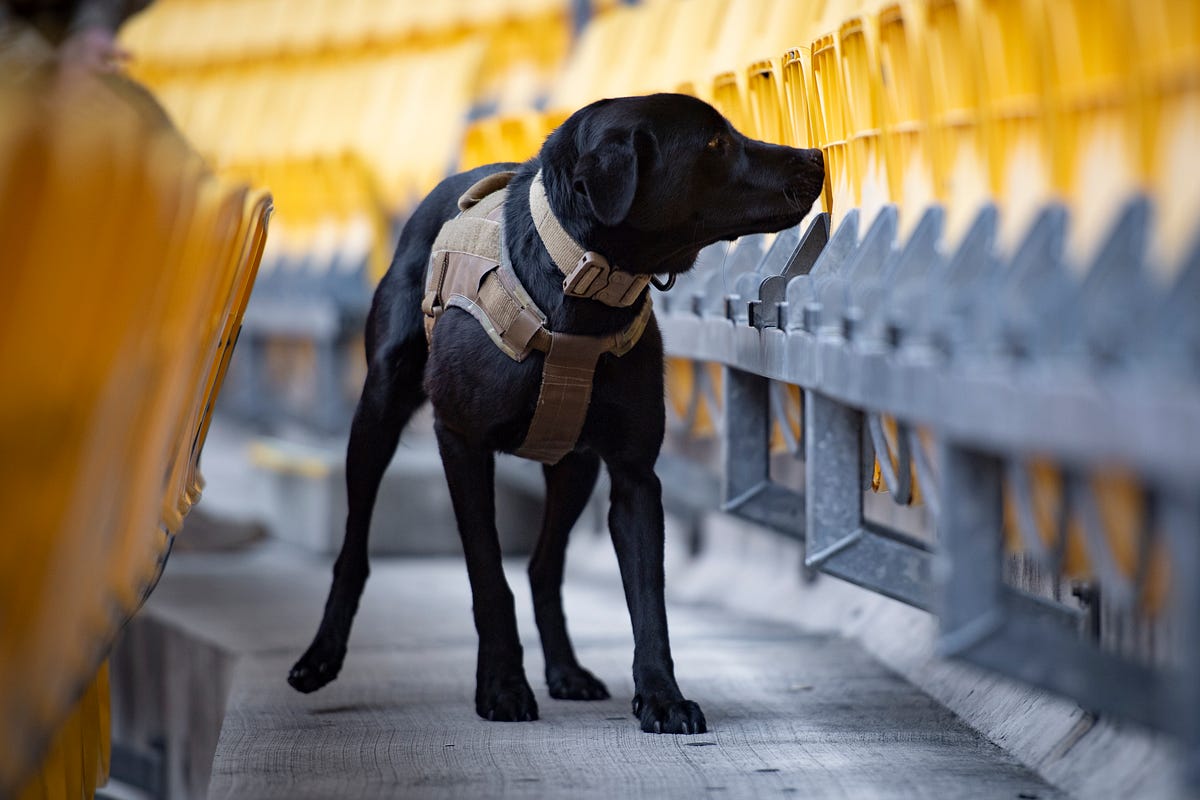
[{"x": 473, "y": 235}]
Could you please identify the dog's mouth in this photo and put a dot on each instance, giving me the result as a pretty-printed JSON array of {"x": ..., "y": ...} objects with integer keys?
[
  {"x": 682, "y": 258},
  {"x": 765, "y": 224}
]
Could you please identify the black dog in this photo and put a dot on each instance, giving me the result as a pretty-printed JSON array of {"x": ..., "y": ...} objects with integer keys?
[{"x": 646, "y": 182}]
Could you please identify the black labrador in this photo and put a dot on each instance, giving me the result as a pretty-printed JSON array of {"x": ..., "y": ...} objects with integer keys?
[{"x": 646, "y": 182}]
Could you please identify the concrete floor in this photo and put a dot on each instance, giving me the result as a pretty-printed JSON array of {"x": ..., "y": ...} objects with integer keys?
[{"x": 790, "y": 713}]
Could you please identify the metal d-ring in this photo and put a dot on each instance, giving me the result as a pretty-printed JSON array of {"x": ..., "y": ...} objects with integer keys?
[{"x": 660, "y": 285}]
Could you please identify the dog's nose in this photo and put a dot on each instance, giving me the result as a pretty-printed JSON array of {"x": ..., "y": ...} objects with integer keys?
[{"x": 817, "y": 157}]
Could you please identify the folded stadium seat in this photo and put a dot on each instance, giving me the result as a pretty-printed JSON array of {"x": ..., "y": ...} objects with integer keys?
[
  {"x": 86, "y": 172},
  {"x": 1013, "y": 48},
  {"x": 683, "y": 51},
  {"x": 348, "y": 24},
  {"x": 1097, "y": 136},
  {"x": 582, "y": 81},
  {"x": 904, "y": 105},
  {"x": 785, "y": 29},
  {"x": 252, "y": 237},
  {"x": 862, "y": 79},
  {"x": 736, "y": 46},
  {"x": 829, "y": 124},
  {"x": 637, "y": 70},
  {"x": 1049, "y": 517},
  {"x": 219, "y": 256},
  {"x": 422, "y": 142},
  {"x": 170, "y": 353},
  {"x": 76, "y": 760},
  {"x": 793, "y": 76},
  {"x": 526, "y": 47},
  {"x": 729, "y": 97},
  {"x": 1166, "y": 64},
  {"x": 960, "y": 168},
  {"x": 764, "y": 93},
  {"x": 797, "y": 84},
  {"x": 694, "y": 392},
  {"x": 482, "y": 144}
]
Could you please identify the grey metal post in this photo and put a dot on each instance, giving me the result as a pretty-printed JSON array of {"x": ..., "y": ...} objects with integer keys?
[
  {"x": 833, "y": 446},
  {"x": 747, "y": 435},
  {"x": 971, "y": 539},
  {"x": 841, "y": 541},
  {"x": 747, "y": 489},
  {"x": 1180, "y": 514}
]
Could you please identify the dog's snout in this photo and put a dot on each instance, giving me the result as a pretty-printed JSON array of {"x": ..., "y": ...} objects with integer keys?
[{"x": 810, "y": 159}]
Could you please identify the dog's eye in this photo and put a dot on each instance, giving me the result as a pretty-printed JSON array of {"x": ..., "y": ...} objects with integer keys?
[{"x": 718, "y": 144}]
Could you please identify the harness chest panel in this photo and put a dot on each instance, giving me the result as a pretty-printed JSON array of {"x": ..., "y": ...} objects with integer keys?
[{"x": 468, "y": 271}]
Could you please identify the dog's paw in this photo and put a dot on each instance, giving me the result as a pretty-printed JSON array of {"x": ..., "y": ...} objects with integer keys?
[
  {"x": 506, "y": 700},
  {"x": 317, "y": 667},
  {"x": 575, "y": 683},
  {"x": 669, "y": 716}
]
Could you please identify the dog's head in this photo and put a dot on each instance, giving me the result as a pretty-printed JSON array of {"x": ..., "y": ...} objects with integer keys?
[{"x": 649, "y": 181}]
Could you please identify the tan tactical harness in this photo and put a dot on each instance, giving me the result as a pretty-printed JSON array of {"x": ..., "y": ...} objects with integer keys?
[{"x": 469, "y": 269}]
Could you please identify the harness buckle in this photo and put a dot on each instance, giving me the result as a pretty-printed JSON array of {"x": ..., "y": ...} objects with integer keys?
[
  {"x": 589, "y": 277},
  {"x": 596, "y": 279}
]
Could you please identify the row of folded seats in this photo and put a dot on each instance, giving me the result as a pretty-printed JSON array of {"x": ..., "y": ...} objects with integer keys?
[
  {"x": 127, "y": 267},
  {"x": 1015, "y": 105},
  {"x": 356, "y": 107},
  {"x": 351, "y": 111}
]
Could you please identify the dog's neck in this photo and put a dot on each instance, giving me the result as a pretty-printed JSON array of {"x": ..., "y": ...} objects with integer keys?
[
  {"x": 543, "y": 279},
  {"x": 586, "y": 273}
]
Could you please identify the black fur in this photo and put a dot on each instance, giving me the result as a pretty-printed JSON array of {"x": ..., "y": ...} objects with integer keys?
[{"x": 647, "y": 182}]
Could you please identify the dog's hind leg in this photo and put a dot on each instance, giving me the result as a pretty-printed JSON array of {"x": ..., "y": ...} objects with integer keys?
[
  {"x": 391, "y": 394},
  {"x": 569, "y": 484},
  {"x": 501, "y": 691}
]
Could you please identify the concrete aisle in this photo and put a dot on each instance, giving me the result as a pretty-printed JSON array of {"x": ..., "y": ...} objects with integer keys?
[{"x": 790, "y": 714}]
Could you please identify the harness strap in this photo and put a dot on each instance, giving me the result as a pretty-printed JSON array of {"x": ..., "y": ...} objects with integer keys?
[
  {"x": 563, "y": 399},
  {"x": 469, "y": 269},
  {"x": 585, "y": 273}
]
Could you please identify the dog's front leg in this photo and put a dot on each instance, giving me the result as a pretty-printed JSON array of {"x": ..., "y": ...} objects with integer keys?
[
  {"x": 569, "y": 485},
  {"x": 501, "y": 691},
  {"x": 636, "y": 523}
]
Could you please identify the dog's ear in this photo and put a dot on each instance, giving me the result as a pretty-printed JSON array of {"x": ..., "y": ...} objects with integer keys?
[{"x": 606, "y": 175}]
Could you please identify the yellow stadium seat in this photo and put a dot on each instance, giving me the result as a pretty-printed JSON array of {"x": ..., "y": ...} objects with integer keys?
[
  {"x": 1166, "y": 71},
  {"x": 858, "y": 46},
  {"x": 1097, "y": 140},
  {"x": 583, "y": 79},
  {"x": 765, "y": 100},
  {"x": 960, "y": 169},
  {"x": 729, "y": 97},
  {"x": 828, "y": 119},
  {"x": 903, "y": 78},
  {"x": 112, "y": 225},
  {"x": 251, "y": 241},
  {"x": 683, "y": 53},
  {"x": 1014, "y": 52},
  {"x": 796, "y": 70}
]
